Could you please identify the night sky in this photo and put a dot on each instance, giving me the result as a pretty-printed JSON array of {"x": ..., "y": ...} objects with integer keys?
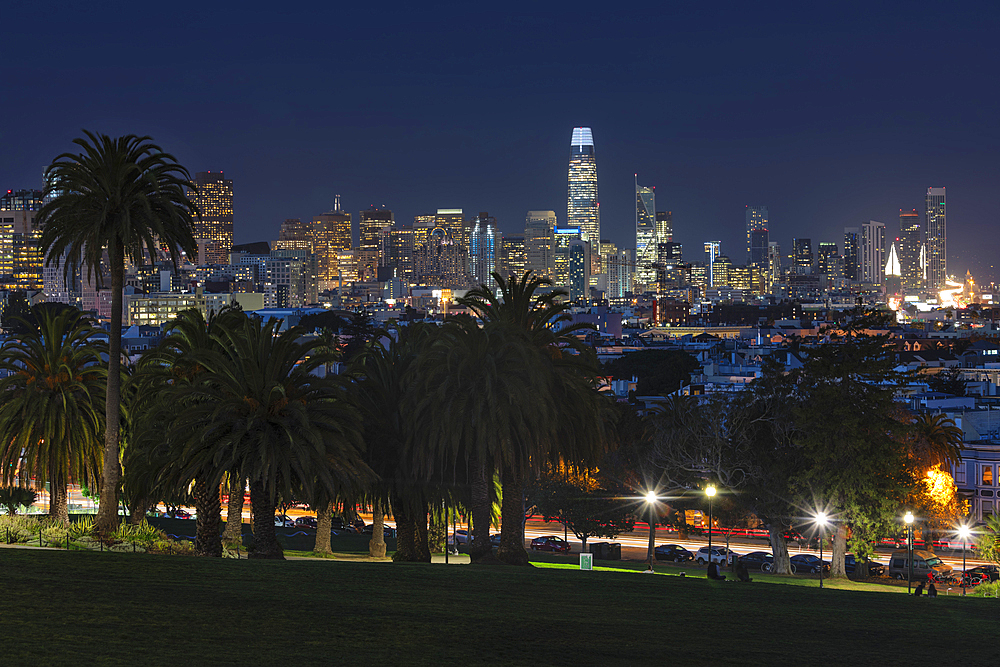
[{"x": 829, "y": 115}]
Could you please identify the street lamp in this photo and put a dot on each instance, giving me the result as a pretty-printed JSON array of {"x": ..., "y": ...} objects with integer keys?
[
  {"x": 963, "y": 532},
  {"x": 821, "y": 523},
  {"x": 651, "y": 501},
  {"x": 909, "y": 550},
  {"x": 710, "y": 492}
]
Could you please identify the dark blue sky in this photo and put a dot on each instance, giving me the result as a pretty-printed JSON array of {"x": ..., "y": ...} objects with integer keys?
[{"x": 828, "y": 115}]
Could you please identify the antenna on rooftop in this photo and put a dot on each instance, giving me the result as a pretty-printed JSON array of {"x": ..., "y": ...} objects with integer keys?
[{"x": 336, "y": 202}]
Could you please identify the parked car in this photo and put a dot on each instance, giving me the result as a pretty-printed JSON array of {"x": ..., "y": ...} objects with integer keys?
[
  {"x": 875, "y": 568},
  {"x": 924, "y": 563},
  {"x": 758, "y": 560},
  {"x": 720, "y": 555},
  {"x": 808, "y": 563},
  {"x": 672, "y": 552},
  {"x": 282, "y": 521},
  {"x": 980, "y": 575},
  {"x": 306, "y": 522},
  {"x": 550, "y": 543},
  {"x": 386, "y": 531},
  {"x": 495, "y": 540},
  {"x": 178, "y": 514},
  {"x": 459, "y": 537}
]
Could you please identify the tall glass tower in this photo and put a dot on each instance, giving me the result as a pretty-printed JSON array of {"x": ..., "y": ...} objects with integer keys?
[
  {"x": 581, "y": 204},
  {"x": 757, "y": 236},
  {"x": 936, "y": 239},
  {"x": 214, "y": 224},
  {"x": 646, "y": 252}
]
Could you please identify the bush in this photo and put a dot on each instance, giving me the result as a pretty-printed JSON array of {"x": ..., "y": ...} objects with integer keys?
[{"x": 987, "y": 590}]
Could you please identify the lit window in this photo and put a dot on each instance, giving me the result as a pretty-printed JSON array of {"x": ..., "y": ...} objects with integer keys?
[{"x": 987, "y": 475}]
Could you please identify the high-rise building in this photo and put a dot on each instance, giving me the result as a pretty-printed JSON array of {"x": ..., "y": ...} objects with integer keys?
[
  {"x": 664, "y": 226},
  {"x": 21, "y": 257},
  {"x": 619, "y": 272},
  {"x": 937, "y": 245},
  {"x": 757, "y": 235},
  {"x": 826, "y": 253},
  {"x": 540, "y": 243},
  {"x": 582, "y": 207},
  {"x": 330, "y": 236},
  {"x": 512, "y": 255},
  {"x": 563, "y": 237},
  {"x": 371, "y": 223},
  {"x": 871, "y": 253},
  {"x": 802, "y": 256},
  {"x": 579, "y": 269},
  {"x": 483, "y": 247},
  {"x": 712, "y": 250},
  {"x": 645, "y": 233},
  {"x": 293, "y": 235},
  {"x": 213, "y": 227},
  {"x": 773, "y": 275},
  {"x": 851, "y": 256},
  {"x": 910, "y": 249}
]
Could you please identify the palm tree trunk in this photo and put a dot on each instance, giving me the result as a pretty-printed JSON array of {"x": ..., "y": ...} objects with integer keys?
[
  {"x": 137, "y": 512},
  {"x": 324, "y": 524},
  {"x": 480, "y": 549},
  {"x": 437, "y": 531},
  {"x": 376, "y": 547},
  {"x": 781, "y": 564},
  {"x": 234, "y": 511},
  {"x": 838, "y": 568},
  {"x": 107, "y": 514},
  {"x": 511, "y": 549},
  {"x": 206, "y": 501},
  {"x": 405, "y": 529},
  {"x": 420, "y": 533},
  {"x": 265, "y": 543},
  {"x": 58, "y": 497}
]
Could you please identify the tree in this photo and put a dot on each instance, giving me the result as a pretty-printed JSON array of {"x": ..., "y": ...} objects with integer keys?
[
  {"x": 566, "y": 418},
  {"x": 258, "y": 410},
  {"x": 988, "y": 540},
  {"x": 948, "y": 381},
  {"x": 126, "y": 197},
  {"x": 13, "y": 497},
  {"x": 50, "y": 418}
]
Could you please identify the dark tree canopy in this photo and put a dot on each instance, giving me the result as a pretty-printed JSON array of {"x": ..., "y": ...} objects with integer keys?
[{"x": 659, "y": 371}]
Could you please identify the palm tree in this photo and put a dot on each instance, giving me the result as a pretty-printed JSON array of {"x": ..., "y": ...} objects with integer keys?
[
  {"x": 937, "y": 440},
  {"x": 50, "y": 418},
  {"x": 520, "y": 397},
  {"x": 126, "y": 197},
  {"x": 257, "y": 410}
]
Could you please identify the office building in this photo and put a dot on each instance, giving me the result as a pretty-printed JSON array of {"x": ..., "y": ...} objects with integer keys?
[
  {"x": 712, "y": 251},
  {"x": 824, "y": 256},
  {"x": 371, "y": 224},
  {"x": 330, "y": 236},
  {"x": 645, "y": 234},
  {"x": 582, "y": 207},
  {"x": 757, "y": 235},
  {"x": 293, "y": 234},
  {"x": 937, "y": 239},
  {"x": 213, "y": 227},
  {"x": 579, "y": 269},
  {"x": 910, "y": 248},
  {"x": 512, "y": 256},
  {"x": 871, "y": 253},
  {"x": 619, "y": 272},
  {"x": 563, "y": 237},
  {"x": 773, "y": 273},
  {"x": 802, "y": 256},
  {"x": 483, "y": 247},
  {"x": 21, "y": 257},
  {"x": 540, "y": 243},
  {"x": 664, "y": 226},
  {"x": 851, "y": 256}
]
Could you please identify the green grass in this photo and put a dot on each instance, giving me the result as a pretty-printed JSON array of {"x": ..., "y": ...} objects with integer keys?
[{"x": 90, "y": 608}]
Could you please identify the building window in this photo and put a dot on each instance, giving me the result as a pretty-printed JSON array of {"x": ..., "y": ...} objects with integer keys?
[
  {"x": 987, "y": 509},
  {"x": 960, "y": 475},
  {"x": 987, "y": 476}
]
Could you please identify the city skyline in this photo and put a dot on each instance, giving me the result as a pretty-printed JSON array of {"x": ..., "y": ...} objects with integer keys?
[{"x": 838, "y": 134}]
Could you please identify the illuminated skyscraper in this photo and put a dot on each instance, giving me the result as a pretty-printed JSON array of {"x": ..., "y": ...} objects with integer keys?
[
  {"x": 712, "y": 250},
  {"x": 664, "y": 226},
  {"x": 871, "y": 253},
  {"x": 540, "y": 244},
  {"x": 910, "y": 248},
  {"x": 582, "y": 209},
  {"x": 213, "y": 227},
  {"x": 512, "y": 255},
  {"x": 330, "y": 236},
  {"x": 851, "y": 256},
  {"x": 371, "y": 223},
  {"x": 293, "y": 235},
  {"x": 802, "y": 256},
  {"x": 21, "y": 257},
  {"x": 937, "y": 246},
  {"x": 483, "y": 247},
  {"x": 757, "y": 236},
  {"x": 645, "y": 234}
]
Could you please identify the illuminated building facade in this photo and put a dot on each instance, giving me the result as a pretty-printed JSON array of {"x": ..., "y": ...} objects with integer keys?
[
  {"x": 664, "y": 226},
  {"x": 871, "y": 253},
  {"x": 512, "y": 255},
  {"x": 540, "y": 244},
  {"x": 937, "y": 245},
  {"x": 483, "y": 247},
  {"x": 330, "y": 236},
  {"x": 802, "y": 256},
  {"x": 579, "y": 269},
  {"x": 564, "y": 236},
  {"x": 645, "y": 234},
  {"x": 582, "y": 208},
  {"x": 712, "y": 250},
  {"x": 293, "y": 235},
  {"x": 213, "y": 227},
  {"x": 851, "y": 254},
  {"x": 371, "y": 224},
  {"x": 910, "y": 249},
  {"x": 21, "y": 258},
  {"x": 757, "y": 235}
]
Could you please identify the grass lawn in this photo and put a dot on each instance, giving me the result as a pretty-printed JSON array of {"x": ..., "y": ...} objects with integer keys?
[{"x": 92, "y": 608}]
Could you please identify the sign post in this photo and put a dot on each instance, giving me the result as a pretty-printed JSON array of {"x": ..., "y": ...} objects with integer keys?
[{"x": 586, "y": 561}]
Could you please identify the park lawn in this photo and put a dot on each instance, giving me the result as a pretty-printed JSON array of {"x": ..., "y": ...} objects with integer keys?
[{"x": 92, "y": 608}]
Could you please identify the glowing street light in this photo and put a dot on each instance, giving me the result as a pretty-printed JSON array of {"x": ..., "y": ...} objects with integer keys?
[
  {"x": 710, "y": 492},
  {"x": 964, "y": 532},
  {"x": 651, "y": 499},
  {"x": 821, "y": 524},
  {"x": 908, "y": 519}
]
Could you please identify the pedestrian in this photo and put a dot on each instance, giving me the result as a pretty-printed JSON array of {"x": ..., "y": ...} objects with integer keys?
[
  {"x": 920, "y": 589},
  {"x": 931, "y": 591}
]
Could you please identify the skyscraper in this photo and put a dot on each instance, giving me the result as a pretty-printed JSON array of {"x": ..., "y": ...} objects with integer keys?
[
  {"x": 371, "y": 223},
  {"x": 645, "y": 233},
  {"x": 910, "y": 249},
  {"x": 540, "y": 243},
  {"x": 330, "y": 235},
  {"x": 824, "y": 256},
  {"x": 712, "y": 250},
  {"x": 483, "y": 249},
  {"x": 757, "y": 235},
  {"x": 582, "y": 209},
  {"x": 803, "y": 256},
  {"x": 213, "y": 227},
  {"x": 579, "y": 269},
  {"x": 851, "y": 243},
  {"x": 937, "y": 246},
  {"x": 512, "y": 255},
  {"x": 664, "y": 226},
  {"x": 871, "y": 253}
]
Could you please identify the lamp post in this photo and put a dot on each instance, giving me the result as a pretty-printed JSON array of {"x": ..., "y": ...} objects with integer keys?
[
  {"x": 710, "y": 492},
  {"x": 908, "y": 519},
  {"x": 963, "y": 532},
  {"x": 651, "y": 501},
  {"x": 821, "y": 523}
]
